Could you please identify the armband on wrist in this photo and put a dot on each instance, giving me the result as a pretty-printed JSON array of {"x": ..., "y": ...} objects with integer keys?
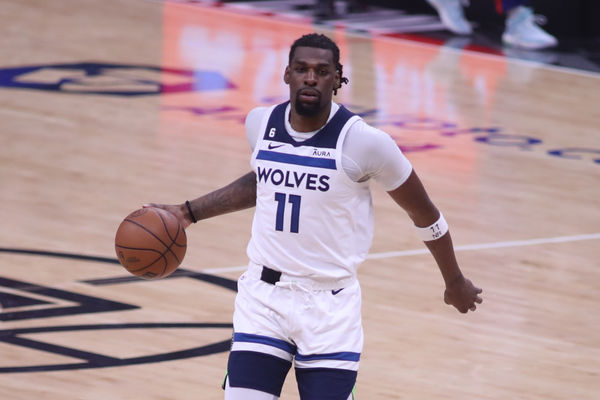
[
  {"x": 189, "y": 207},
  {"x": 433, "y": 231}
]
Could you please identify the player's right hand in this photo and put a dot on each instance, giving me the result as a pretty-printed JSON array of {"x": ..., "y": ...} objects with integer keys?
[{"x": 179, "y": 210}]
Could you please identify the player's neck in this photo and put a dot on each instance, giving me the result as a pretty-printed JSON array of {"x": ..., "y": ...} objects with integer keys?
[{"x": 301, "y": 123}]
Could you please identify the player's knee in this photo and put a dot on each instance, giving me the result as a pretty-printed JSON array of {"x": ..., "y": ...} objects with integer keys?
[
  {"x": 258, "y": 371},
  {"x": 325, "y": 383}
]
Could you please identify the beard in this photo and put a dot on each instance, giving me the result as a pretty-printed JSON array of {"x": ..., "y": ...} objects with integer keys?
[{"x": 307, "y": 109}]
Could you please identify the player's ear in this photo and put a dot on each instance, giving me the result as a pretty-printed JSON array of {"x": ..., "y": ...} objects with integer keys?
[
  {"x": 286, "y": 75},
  {"x": 337, "y": 79}
]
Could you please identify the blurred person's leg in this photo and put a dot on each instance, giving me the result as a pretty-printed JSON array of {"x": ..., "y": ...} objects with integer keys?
[
  {"x": 452, "y": 15},
  {"x": 522, "y": 26}
]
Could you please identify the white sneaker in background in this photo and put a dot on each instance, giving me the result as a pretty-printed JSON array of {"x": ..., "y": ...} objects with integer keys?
[
  {"x": 522, "y": 30},
  {"x": 452, "y": 15}
]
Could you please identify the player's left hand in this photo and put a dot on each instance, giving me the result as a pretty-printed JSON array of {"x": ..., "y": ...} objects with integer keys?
[{"x": 463, "y": 295}]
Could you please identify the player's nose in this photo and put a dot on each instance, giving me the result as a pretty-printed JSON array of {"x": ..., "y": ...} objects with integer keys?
[{"x": 310, "y": 78}]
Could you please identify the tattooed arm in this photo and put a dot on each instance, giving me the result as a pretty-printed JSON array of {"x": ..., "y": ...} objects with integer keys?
[{"x": 238, "y": 195}]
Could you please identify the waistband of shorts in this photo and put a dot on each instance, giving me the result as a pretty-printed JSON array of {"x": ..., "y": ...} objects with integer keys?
[{"x": 256, "y": 270}]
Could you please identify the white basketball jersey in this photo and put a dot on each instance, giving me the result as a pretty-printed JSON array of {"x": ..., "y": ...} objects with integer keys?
[{"x": 311, "y": 220}]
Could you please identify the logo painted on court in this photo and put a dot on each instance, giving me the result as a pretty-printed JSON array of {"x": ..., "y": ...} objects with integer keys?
[
  {"x": 30, "y": 301},
  {"x": 112, "y": 79}
]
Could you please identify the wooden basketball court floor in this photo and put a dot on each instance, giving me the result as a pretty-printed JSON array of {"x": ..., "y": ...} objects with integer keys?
[{"x": 508, "y": 150}]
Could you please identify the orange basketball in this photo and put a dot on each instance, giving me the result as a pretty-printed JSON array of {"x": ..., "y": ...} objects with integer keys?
[{"x": 150, "y": 243}]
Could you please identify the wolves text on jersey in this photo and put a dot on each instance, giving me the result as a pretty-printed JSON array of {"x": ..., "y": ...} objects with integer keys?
[{"x": 293, "y": 179}]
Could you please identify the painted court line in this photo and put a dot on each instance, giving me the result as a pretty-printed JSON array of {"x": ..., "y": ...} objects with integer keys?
[
  {"x": 493, "y": 245},
  {"x": 468, "y": 247}
]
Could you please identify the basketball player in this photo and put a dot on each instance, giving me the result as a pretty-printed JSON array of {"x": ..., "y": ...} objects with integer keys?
[{"x": 300, "y": 301}]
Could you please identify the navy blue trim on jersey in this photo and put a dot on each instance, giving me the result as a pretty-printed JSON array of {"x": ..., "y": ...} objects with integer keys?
[
  {"x": 327, "y": 163},
  {"x": 344, "y": 356},
  {"x": 326, "y": 138},
  {"x": 258, "y": 371},
  {"x": 277, "y": 121},
  {"x": 269, "y": 341},
  {"x": 325, "y": 383}
]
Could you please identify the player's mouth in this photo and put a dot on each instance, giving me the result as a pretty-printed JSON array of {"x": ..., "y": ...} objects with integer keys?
[{"x": 309, "y": 95}]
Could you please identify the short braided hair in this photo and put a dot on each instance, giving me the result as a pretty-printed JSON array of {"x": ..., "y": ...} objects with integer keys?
[{"x": 321, "y": 41}]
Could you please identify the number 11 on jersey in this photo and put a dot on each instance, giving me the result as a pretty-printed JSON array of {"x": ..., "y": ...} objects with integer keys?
[{"x": 294, "y": 200}]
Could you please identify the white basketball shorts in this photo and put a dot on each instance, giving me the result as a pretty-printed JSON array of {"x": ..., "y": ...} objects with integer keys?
[{"x": 316, "y": 328}]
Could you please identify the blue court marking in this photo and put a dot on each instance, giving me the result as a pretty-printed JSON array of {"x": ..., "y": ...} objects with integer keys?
[
  {"x": 296, "y": 159},
  {"x": 344, "y": 356},
  {"x": 123, "y": 85},
  {"x": 269, "y": 341}
]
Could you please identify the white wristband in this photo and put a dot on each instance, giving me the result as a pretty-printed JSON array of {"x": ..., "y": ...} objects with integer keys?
[{"x": 433, "y": 231}]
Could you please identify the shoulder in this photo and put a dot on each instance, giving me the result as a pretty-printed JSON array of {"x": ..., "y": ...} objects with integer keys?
[
  {"x": 254, "y": 121},
  {"x": 255, "y": 116},
  {"x": 368, "y": 137},
  {"x": 376, "y": 155}
]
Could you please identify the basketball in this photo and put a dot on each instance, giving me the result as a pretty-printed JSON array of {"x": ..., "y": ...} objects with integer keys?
[{"x": 150, "y": 243}]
